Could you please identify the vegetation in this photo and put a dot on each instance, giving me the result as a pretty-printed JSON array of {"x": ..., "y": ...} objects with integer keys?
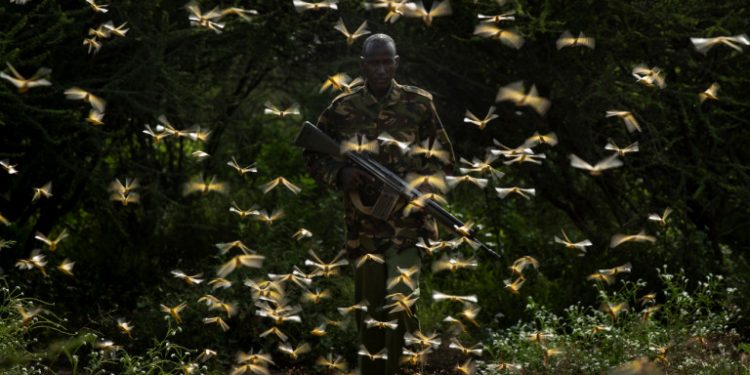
[
  {"x": 691, "y": 335},
  {"x": 692, "y": 158}
]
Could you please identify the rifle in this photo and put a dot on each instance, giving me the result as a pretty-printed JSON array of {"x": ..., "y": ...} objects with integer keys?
[{"x": 313, "y": 139}]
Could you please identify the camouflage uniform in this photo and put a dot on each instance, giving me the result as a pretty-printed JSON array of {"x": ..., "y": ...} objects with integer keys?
[{"x": 407, "y": 114}]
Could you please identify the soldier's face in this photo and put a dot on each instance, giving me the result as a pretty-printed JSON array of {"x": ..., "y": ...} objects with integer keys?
[{"x": 379, "y": 66}]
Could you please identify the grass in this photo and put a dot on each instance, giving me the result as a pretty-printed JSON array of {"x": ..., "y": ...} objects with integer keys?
[
  {"x": 682, "y": 331},
  {"x": 678, "y": 330}
]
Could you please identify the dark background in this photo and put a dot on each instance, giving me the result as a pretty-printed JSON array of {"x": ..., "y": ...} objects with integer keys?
[{"x": 693, "y": 157}]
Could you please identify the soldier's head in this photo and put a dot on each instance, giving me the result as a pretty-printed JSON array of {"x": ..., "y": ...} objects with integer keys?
[{"x": 379, "y": 62}]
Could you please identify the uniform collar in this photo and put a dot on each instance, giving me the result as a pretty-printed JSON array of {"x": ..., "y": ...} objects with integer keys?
[{"x": 391, "y": 97}]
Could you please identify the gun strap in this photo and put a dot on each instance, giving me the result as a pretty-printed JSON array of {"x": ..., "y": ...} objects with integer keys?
[{"x": 357, "y": 202}]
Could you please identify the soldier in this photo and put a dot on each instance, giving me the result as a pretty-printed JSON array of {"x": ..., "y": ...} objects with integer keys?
[{"x": 406, "y": 113}]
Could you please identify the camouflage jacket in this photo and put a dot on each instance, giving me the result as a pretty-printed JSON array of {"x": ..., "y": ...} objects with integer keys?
[{"x": 406, "y": 113}]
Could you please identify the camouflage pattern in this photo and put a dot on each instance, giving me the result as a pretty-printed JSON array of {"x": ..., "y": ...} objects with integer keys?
[
  {"x": 370, "y": 285},
  {"x": 407, "y": 113}
]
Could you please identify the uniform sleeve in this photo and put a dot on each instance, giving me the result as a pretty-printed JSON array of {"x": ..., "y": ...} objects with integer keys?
[{"x": 325, "y": 168}]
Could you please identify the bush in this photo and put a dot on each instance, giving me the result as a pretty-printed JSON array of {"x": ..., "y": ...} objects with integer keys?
[{"x": 687, "y": 333}]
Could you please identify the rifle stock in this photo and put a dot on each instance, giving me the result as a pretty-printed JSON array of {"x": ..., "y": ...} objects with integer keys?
[{"x": 313, "y": 139}]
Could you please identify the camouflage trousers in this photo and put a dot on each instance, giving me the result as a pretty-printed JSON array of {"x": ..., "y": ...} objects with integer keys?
[{"x": 370, "y": 284}]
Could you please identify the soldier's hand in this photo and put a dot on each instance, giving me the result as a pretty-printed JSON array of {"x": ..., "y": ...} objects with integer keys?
[{"x": 352, "y": 178}]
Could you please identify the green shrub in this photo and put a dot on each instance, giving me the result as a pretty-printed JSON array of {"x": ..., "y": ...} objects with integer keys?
[{"x": 688, "y": 333}]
